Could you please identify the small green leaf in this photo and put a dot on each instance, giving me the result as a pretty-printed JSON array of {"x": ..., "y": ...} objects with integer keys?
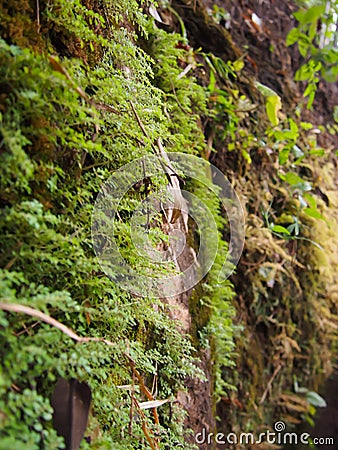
[
  {"x": 212, "y": 82},
  {"x": 273, "y": 105},
  {"x": 299, "y": 15},
  {"x": 311, "y": 201},
  {"x": 284, "y": 155},
  {"x": 310, "y": 88},
  {"x": 312, "y": 410},
  {"x": 292, "y": 37},
  {"x": 317, "y": 152},
  {"x": 303, "y": 73},
  {"x": 335, "y": 113},
  {"x": 311, "y": 99},
  {"x": 238, "y": 65},
  {"x": 280, "y": 229},
  {"x": 293, "y": 126},
  {"x": 246, "y": 156},
  {"x": 306, "y": 125},
  {"x": 312, "y": 212},
  {"x": 311, "y": 422},
  {"x": 303, "y": 47},
  {"x": 313, "y": 14},
  {"x": 265, "y": 90},
  {"x": 291, "y": 178},
  {"x": 315, "y": 399}
]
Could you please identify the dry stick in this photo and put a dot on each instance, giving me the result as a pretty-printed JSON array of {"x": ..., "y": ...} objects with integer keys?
[
  {"x": 179, "y": 202},
  {"x": 27, "y": 329},
  {"x": 268, "y": 387},
  {"x": 154, "y": 386},
  {"x": 152, "y": 442},
  {"x": 13, "y": 260},
  {"x": 38, "y": 15},
  {"x": 10, "y": 263},
  {"x": 173, "y": 179},
  {"x": 143, "y": 387},
  {"x": 144, "y": 131},
  {"x": 131, "y": 412},
  {"x": 15, "y": 307}
]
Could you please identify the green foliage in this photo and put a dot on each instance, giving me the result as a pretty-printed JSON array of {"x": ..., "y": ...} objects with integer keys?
[
  {"x": 78, "y": 20},
  {"x": 314, "y": 400},
  {"x": 273, "y": 102},
  {"x": 228, "y": 107},
  {"x": 184, "y": 100},
  {"x": 220, "y": 14},
  {"x": 295, "y": 153},
  {"x": 316, "y": 37}
]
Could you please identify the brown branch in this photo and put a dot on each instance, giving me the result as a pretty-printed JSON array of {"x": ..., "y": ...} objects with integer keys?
[
  {"x": 38, "y": 15},
  {"x": 152, "y": 442},
  {"x": 144, "y": 131},
  {"x": 173, "y": 179},
  {"x": 268, "y": 387},
  {"x": 131, "y": 412},
  {"x": 143, "y": 387},
  {"x": 21, "y": 309}
]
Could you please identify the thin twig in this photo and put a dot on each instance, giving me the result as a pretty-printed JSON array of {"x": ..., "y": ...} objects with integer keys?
[
  {"x": 131, "y": 412},
  {"x": 152, "y": 442},
  {"x": 26, "y": 329},
  {"x": 38, "y": 14},
  {"x": 143, "y": 387},
  {"x": 165, "y": 162},
  {"x": 178, "y": 102},
  {"x": 268, "y": 387},
  {"x": 14, "y": 259},
  {"x": 21, "y": 309},
  {"x": 144, "y": 131}
]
